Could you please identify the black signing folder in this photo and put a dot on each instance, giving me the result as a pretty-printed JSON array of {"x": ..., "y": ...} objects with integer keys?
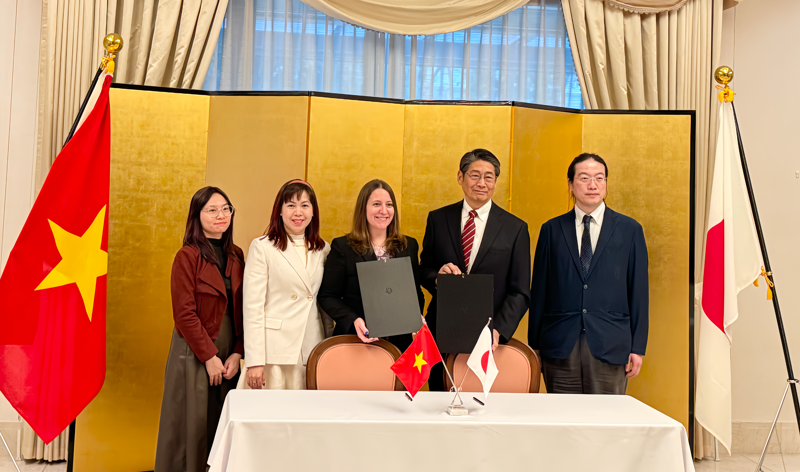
[
  {"x": 389, "y": 295},
  {"x": 464, "y": 304}
]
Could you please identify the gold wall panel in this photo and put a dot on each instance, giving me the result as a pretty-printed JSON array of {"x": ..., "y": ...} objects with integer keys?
[
  {"x": 649, "y": 160},
  {"x": 165, "y": 146},
  {"x": 158, "y": 161},
  {"x": 436, "y": 136},
  {"x": 544, "y": 143},
  {"x": 255, "y": 145},
  {"x": 351, "y": 142}
]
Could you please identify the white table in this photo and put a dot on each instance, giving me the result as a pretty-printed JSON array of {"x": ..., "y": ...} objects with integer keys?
[{"x": 297, "y": 431}]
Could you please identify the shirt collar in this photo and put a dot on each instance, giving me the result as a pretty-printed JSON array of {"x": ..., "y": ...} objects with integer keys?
[
  {"x": 597, "y": 214},
  {"x": 483, "y": 212}
]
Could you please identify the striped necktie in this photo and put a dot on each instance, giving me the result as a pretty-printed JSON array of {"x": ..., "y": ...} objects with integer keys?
[{"x": 467, "y": 237}]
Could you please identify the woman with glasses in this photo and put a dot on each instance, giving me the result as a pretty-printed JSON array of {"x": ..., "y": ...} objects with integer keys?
[
  {"x": 284, "y": 271},
  {"x": 375, "y": 235},
  {"x": 207, "y": 341}
]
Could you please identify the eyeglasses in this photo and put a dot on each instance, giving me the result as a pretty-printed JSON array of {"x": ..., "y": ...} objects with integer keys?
[
  {"x": 225, "y": 211},
  {"x": 476, "y": 177},
  {"x": 600, "y": 180}
]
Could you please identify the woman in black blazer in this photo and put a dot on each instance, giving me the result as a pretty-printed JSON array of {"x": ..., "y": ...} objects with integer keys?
[{"x": 375, "y": 235}]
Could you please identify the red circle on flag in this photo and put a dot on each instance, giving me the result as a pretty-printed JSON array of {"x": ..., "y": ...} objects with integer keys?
[{"x": 485, "y": 361}]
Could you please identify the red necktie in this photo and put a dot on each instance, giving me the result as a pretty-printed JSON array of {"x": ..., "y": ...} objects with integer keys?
[{"x": 467, "y": 236}]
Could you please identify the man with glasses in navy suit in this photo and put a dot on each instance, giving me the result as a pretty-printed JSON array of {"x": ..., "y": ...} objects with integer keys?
[{"x": 589, "y": 293}]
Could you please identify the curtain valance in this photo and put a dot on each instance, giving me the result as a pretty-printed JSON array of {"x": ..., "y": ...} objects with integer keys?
[
  {"x": 416, "y": 17},
  {"x": 647, "y": 6}
]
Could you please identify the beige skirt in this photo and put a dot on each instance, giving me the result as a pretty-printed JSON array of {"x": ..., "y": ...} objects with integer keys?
[
  {"x": 280, "y": 377},
  {"x": 190, "y": 408}
]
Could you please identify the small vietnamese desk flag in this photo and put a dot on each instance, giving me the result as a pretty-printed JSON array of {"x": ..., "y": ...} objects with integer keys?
[
  {"x": 414, "y": 367},
  {"x": 481, "y": 361},
  {"x": 53, "y": 288}
]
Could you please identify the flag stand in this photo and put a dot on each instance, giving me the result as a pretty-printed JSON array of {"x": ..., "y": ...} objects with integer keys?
[
  {"x": 453, "y": 409},
  {"x": 13, "y": 460},
  {"x": 789, "y": 382},
  {"x": 766, "y": 271}
]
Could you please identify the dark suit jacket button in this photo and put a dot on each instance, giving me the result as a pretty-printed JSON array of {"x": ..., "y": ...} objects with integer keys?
[
  {"x": 585, "y": 287},
  {"x": 584, "y": 310}
]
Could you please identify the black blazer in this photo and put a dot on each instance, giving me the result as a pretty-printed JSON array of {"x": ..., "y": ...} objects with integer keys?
[
  {"x": 505, "y": 252},
  {"x": 613, "y": 300},
  {"x": 340, "y": 295}
]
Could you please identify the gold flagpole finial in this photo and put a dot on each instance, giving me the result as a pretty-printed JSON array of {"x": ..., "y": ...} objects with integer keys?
[
  {"x": 113, "y": 44},
  {"x": 723, "y": 75}
]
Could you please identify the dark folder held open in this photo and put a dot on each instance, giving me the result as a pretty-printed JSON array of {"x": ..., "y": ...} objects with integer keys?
[
  {"x": 389, "y": 295},
  {"x": 464, "y": 305}
]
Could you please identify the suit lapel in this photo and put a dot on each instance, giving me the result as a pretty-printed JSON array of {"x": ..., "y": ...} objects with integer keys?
[
  {"x": 236, "y": 274},
  {"x": 370, "y": 256},
  {"x": 313, "y": 262},
  {"x": 454, "y": 225},
  {"x": 291, "y": 256},
  {"x": 493, "y": 225},
  {"x": 209, "y": 274},
  {"x": 567, "y": 222},
  {"x": 606, "y": 231}
]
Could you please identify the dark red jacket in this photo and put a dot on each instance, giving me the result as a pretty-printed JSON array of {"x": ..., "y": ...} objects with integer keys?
[{"x": 199, "y": 300}]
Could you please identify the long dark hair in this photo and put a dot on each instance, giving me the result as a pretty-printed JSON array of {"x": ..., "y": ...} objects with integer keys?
[
  {"x": 581, "y": 158},
  {"x": 276, "y": 232},
  {"x": 359, "y": 237},
  {"x": 194, "y": 235},
  {"x": 571, "y": 171}
]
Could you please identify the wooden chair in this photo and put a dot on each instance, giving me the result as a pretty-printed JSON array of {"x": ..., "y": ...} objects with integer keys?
[
  {"x": 520, "y": 370},
  {"x": 346, "y": 363}
]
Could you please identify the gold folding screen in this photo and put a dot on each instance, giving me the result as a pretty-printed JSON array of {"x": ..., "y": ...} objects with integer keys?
[{"x": 167, "y": 145}]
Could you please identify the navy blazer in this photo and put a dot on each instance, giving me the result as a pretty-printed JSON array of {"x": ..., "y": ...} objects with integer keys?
[
  {"x": 613, "y": 300},
  {"x": 505, "y": 252}
]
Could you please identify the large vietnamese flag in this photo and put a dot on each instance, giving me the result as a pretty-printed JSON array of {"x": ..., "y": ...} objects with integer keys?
[
  {"x": 53, "y": 288},
  {"x": 732, "y": 262}
]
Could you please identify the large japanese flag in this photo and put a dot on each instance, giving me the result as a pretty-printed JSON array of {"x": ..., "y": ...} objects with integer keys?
[{"x": 732, "y": 262}]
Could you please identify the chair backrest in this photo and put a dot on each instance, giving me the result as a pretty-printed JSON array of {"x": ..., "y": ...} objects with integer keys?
[
  {"x": 519, "y": 366},
  {"x": 346, "y": 363}
]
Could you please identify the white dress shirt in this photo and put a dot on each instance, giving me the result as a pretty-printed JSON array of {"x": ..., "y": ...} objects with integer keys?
[
  {"x": 480, "y": 227},
  {"x": 594, "y": 227}
]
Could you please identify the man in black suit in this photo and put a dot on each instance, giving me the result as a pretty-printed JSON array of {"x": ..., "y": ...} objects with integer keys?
[
  {"x": 589, "y": 294},
  {"x": 476, "y": 236}
]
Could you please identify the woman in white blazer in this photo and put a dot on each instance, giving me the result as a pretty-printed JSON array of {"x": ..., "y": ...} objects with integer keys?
[{"x": 281, "y": 279}]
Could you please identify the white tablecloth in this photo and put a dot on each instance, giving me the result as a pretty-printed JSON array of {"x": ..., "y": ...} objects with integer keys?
[{"x": 297, "y": 431}]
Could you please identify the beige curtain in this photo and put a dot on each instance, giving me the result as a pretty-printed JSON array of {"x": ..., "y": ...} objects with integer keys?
[
  {"x": 167, "y": 43},
  {"x": 33, "y": 448},
  {"x": 660, "y": 61},
  {"x": 647, "y": 6},
  {"x": 418, "y": 17}
]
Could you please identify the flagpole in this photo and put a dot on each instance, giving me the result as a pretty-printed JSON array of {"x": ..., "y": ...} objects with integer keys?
[
  {"x": 83, "y": 105},
  {"x": 723, "y": 75},
  {"x": 771, "y": 282},
  {"x": 112, "y": 43}
]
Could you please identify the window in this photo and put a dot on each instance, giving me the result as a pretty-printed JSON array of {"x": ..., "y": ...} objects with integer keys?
[{"x": 287, "y": 45}]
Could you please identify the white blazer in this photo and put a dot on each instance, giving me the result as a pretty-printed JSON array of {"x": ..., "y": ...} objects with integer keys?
[{"x": 281, "y": 319}]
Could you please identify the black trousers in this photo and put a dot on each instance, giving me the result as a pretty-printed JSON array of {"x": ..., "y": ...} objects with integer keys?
[{"x": 582, "y": 373}]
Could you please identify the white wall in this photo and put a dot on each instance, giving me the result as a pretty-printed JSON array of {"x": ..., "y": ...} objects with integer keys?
[
  {"x": 761, "y": 47},
  {"x": 20, "y": 22}
]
